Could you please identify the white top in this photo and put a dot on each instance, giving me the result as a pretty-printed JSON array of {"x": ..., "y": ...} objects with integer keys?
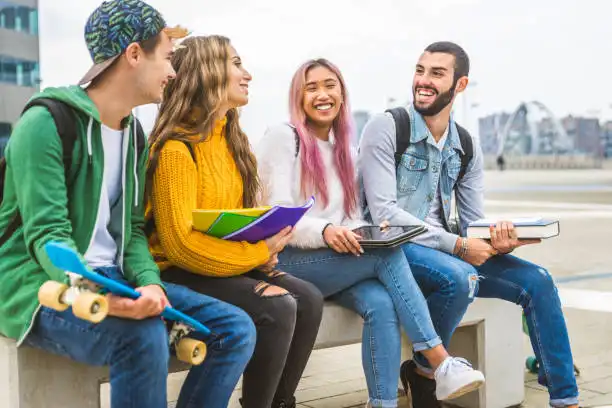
[
  {"x": 103, "y": 249},
  {"x": 435, "y": 212},
  {"x": 280, "y": 173}
]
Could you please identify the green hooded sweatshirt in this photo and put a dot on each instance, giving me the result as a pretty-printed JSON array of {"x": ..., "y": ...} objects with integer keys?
[{"x": 35, "y": 186}]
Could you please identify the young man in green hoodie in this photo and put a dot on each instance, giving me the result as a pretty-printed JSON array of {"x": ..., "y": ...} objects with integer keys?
[{"x": 96, "y": 207}]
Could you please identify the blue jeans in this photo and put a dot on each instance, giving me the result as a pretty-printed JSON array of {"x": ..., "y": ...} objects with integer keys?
[
  {"x": 137, "y": 350},
  {"x": 449, "y": 285},
  {"x": 380, "y": 287}
]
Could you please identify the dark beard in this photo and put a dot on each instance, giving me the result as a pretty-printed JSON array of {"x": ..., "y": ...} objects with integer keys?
[{"x": 440, "y": 103}]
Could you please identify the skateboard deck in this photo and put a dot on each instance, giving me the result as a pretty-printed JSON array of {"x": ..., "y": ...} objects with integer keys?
[{"x": 65, "y": 258}]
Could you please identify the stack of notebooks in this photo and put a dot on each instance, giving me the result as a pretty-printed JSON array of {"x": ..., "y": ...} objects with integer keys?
[{"x": 248, "y": 224}]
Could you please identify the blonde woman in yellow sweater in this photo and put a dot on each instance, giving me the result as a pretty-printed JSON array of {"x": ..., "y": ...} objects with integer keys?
[{"x": 200, "y": 159}]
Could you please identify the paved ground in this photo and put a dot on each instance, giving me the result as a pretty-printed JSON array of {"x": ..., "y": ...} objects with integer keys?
[{"x": 579, "y": 259}]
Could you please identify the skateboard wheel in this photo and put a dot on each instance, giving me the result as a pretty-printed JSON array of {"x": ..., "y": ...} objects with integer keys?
[
  {"x": 191, "y": 351},
  {"x": 532, "y": 364},
  {"x": 91, "y": 307},
  {"x": 50, "y": 295}
]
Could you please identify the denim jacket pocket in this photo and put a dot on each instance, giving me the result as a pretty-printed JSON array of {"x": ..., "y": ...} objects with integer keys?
[
  {"x": 453, "y": 171},
  {"x": 410, "y": 172}
]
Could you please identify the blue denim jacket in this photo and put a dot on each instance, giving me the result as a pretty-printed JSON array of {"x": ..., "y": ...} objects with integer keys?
[{"x": 404, "y": 196}]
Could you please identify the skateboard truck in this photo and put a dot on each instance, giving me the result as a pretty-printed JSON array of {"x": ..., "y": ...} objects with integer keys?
[{"x": 81, "y": 295}]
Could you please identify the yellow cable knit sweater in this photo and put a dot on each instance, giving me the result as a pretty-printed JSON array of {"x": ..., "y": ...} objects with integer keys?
[{"x": 179, "y": 187}]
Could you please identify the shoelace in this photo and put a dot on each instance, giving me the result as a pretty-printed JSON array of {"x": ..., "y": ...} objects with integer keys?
[{"x": 458, "y": 362}]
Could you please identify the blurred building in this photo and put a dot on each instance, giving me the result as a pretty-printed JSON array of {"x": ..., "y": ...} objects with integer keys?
[
  {"x": 586, "y": 134},
  {"x": 19, "y": 60},
  {"x": 606, "y": 139},
  {"x": 534, "y": 130},
  {"x": 488, "y": 128}
]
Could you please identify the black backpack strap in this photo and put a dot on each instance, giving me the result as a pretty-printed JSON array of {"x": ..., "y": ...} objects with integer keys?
[
  {"x": 191, "y": 151},
  {"x": 468, "y": 150},
  {"x": 467, "y": 145},
  {"x": 402, "y": 131},
  {"x": 141, "y": 138},
  {"x": 65, "y": 122}
]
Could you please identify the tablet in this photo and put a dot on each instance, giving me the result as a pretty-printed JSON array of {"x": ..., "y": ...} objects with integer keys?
[{"x": 374, "y": 237}]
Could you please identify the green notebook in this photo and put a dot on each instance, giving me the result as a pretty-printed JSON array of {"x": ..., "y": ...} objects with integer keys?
[{"x": 227, "y": 223}]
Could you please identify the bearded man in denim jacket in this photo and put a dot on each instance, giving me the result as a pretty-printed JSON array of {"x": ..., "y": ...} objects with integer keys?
[{"x": 450, "y": 268}]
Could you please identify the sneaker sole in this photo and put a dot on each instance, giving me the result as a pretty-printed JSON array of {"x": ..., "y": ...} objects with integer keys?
[{"x": 464, "y": 390}]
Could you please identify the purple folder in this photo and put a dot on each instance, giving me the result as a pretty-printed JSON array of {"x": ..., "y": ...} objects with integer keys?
[{"x": 270, "y": 223}]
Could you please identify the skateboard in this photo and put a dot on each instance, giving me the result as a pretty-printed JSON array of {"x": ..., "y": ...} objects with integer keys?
[
  {"x": 533, "y": 365},
  {"x": 87, "y": 303}
]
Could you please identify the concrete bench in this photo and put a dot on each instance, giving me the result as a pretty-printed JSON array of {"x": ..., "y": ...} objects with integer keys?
[{"x": 490, "y": 337}]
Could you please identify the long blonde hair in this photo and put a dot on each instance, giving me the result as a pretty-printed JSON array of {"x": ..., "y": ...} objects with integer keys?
[{"x": 190, "y": 106}]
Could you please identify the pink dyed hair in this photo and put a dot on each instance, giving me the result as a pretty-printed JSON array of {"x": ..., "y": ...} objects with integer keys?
[{"x": 313, "y": 173}]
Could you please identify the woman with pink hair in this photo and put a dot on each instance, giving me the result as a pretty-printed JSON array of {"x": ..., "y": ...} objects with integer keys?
[{"x": 313, "y": 155}]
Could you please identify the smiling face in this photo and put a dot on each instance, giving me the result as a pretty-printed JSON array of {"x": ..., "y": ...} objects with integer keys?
[
  {"x": 151, "y": 67},
  {"x": 238, "y": 81},
  {"x": 322, "y": 96},
  {"x": 434, "y": 85}
]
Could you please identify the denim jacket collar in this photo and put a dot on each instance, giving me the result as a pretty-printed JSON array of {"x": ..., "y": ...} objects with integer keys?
[{"x": 419, "y": 130}]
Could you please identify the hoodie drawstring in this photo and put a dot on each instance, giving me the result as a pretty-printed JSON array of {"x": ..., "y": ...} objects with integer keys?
[
  {"x": 89, "y": 149},
  {"x": 126, "y": 133},
  {"x": 135, "y": 133}
]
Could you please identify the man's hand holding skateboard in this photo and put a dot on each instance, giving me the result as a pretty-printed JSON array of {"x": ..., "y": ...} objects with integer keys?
[{"x": 151, "y": 303}]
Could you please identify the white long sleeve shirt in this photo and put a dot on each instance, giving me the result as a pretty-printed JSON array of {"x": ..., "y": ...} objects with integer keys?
[{"x": 280, "y": 172}]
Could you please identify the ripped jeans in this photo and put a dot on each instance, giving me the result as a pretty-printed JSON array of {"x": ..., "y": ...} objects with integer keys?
[
  {"x": 287, "y": 322},
  {"x": 450, "y": 284},
  {"x": 380, "y": 287}
]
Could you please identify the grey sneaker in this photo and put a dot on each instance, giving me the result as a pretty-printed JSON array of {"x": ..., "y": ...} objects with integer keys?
[{"x": 456, "y": 377}]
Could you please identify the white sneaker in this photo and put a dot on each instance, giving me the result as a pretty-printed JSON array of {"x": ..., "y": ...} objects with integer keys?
[{"x": 456, "y": 377}]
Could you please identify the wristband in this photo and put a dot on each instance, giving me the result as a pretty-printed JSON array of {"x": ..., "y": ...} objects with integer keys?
[
  {"x": 325, "y": 227},
  {"x": 323, "y": 232},
  {"x": 464, "y": 248}
]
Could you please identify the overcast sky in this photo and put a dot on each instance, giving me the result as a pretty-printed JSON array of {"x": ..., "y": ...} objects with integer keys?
[{"x": 555, "y": 51}]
